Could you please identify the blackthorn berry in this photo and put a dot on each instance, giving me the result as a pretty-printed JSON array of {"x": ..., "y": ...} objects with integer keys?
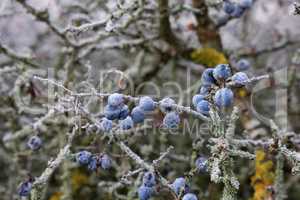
[
  {"x": 201, "y": 164},
  {"x": 126, "y": 123},
  {"x": 171, "y": 120},
  {"x": 115, "y": 99},
  {"x": 189, "y": 196},
  {"x": 112, "y": 112},
  {"x": 124, "y": 112},
  {"x": 243, "y": 65},
  {"x": 34, "y": 143},
  {"x": 137, "y": 115},
  {"x": 196, "y": 99},
  {"x": 240, "y": 78},
  {"x": 207, "y": 78},
  {"x": 238, "y": 11},
  {"x": 25, "y": 188},
  {"x": 180, "y": 184},
  {"x": 165, "y": 104},
  {"x": 145, "y": 192},
  {"x": 146, "y": 103},
  {"x": 106, "y": 124},
  {"x": 83, "y": 157},
  {"x": 222, "y": 72},
  {"x": 203, "y": 107},
  {"x": 223, "y": 97},
  {"x": 246, "y": 3},
  {"x": 228, "y": 7},
  {"x": 92, "y": 164},
  {"x": 149, "y": 179},
  {"x": 105, "y": 161}
]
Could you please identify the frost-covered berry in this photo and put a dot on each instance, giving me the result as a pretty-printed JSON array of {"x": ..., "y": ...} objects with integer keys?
[
  {"x": 222, "y": 72},
  {"x": 189, "y": 196},
  {"x": 238, "y": 11},
  {"x": 166, "y": 104},
  {"x": 83, "y": 157},
  {"x": 124, "y": 112},
  {"x": 240, "y": 78},
  {"x": 224, "y": 97},
  {"x": 146, "y": 103},
  {"x": 106, "y": 124},
  {"x": 228, "y": 7},
  {"x": 207, "y": 78},
  {"x": 149, "y": 179},
  {"x": 204, "y": 90},
  {"x": 145, "y": 192},
  {"x": 137, "y": 115},
  {"x": 126, "y": 123},
  {"x": 92, "y": 166},
  {"x": 246, "y": 3},
  {"x": 105, "y": 161},
  {"x": 201, "y": 164},
  {"x": 115, "y": 99},
  {"x": 180, "y": 184},
  {"x": 243, "y": 65},
  {"x": 203, "y": 107},
  {"x": 25, "y": 188},
  {"x": 171, "y": 120},
  {"x": 34, "y": 143},
  {"x": 196, "y": 99},
  {"x": 112, "y": 112}
]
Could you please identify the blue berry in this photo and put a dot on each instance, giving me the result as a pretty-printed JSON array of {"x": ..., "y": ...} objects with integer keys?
[
  {"x": 224, "y": 97},
  {"x": 203, "y": 107},
  {"x": 34, "y": 143},
  {"x": 124, "y": 112},
  {"x": 115, "y": 99},
  {"x": 111, "y": 112},
  {"x": 145, "y": 192},
  {"x": 24, "y": 189},
  {"x": 207, "y": 78},
  {"x": 171, "y": 120},
  {"x": 201, "y": 164},
  {"x": 149, "y": 179},
  {"x": 228, "y": 7},
  {"x": 126, "y": 123},
  {"x": 92, "y": 164},
  {"x": 166, "y": 104},
  {"x": 137, "y": 115},
  {"x": 204, "y": 90},
  {"x": 238, "y": 11},
  {"x": 146, "y": 103},
  {"x": 222, "y": 72},
  {"x": 243, "y": 65},
  {"x": 180, "y": 184},
  {"x": 246, "y": 3},
  {"x": 83, "y": 157},
  {"x": 105, "y": 161},
  {"x": 196, "y": 99},
  {"x": 106, "y": 124},
  {"x": 240, "y": 78},
  {"x": 189, "y": 196}
]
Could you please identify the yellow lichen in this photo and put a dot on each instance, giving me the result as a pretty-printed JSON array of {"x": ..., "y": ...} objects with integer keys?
[
  {"x": 264, "y": 176},
  {"x": 56, "y": 196},
  {"x": 78, "y": 179},
  {"x": 208, "y": 56}
]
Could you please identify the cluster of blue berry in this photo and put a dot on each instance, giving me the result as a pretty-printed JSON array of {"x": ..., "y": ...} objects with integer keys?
[
  {"x": 92, "y": 162},
  {"x": 214, "y": 90},
  {"x": 236, "y": 9},
  {"x": 179, "y": 186},
  {"x": 25, "y": 188}
]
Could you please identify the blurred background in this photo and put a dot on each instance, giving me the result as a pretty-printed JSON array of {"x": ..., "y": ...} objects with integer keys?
[{"x": 141, "y": 47}]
